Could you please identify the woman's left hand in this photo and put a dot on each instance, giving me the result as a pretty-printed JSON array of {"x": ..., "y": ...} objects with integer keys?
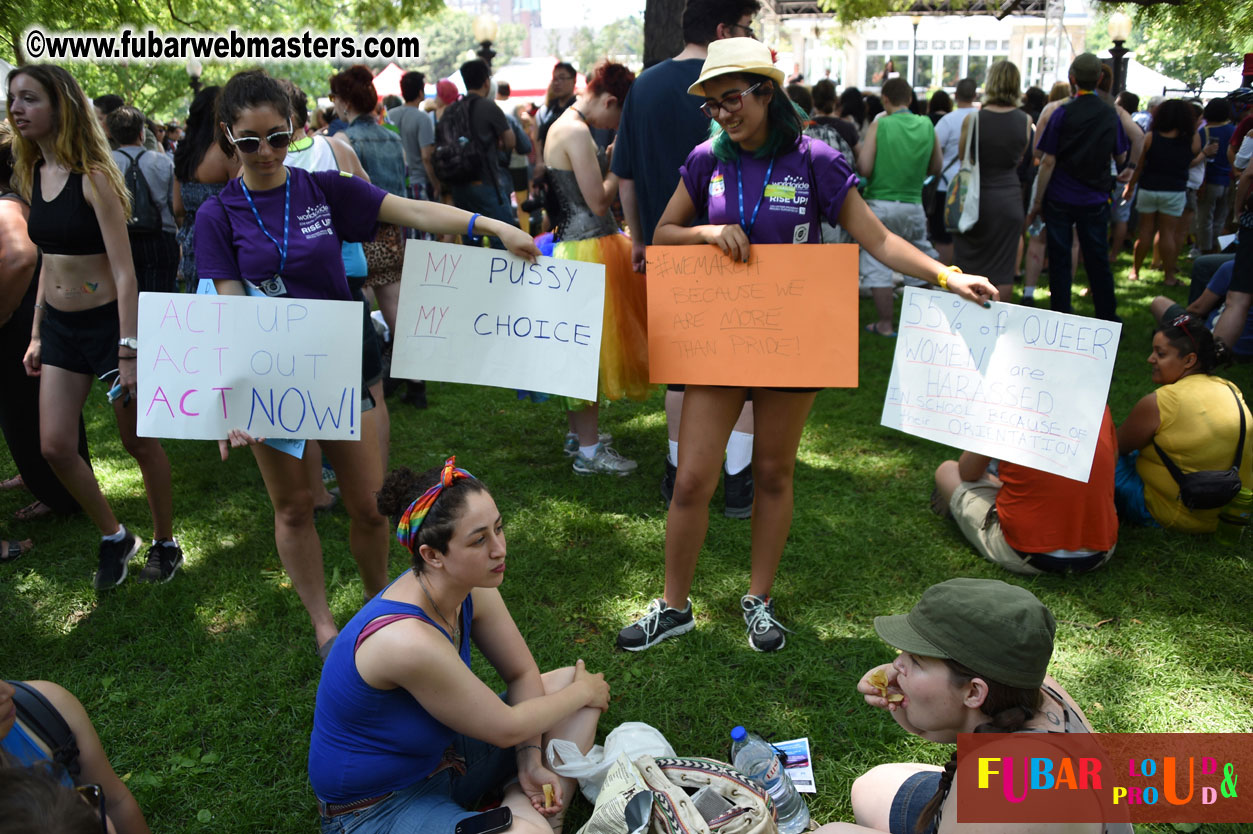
[
  {"x": 126, "y": 375},
  {"x": 974, "y": 288},
  {"x": 519, "y": 242},
  {"x": 532, "y": 779}
]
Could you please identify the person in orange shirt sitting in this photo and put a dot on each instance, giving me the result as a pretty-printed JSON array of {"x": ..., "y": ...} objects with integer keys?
[{"x": 1029, "y": 521}]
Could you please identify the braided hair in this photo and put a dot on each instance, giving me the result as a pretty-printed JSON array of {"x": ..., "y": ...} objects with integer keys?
[{"x": 1008, "y": 709}]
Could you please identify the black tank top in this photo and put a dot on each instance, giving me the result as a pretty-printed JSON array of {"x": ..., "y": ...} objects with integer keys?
[
  {"x": 66, "y": 224},
  {"x": 1166, "y": 163}
]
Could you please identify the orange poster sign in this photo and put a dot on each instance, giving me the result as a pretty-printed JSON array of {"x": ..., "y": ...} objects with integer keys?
[{"x": 787, "y": 318}]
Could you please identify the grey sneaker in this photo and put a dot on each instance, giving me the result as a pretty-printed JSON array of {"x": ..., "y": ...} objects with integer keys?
[
  {"x": 607, "y": 462},
  {"x": 113, "y": 559},
  {"x": 571, "y": 447},
  {"x": 656, "y": 625},
  {"x": 765, "y": 633},
  {"x": 164, "y": 560}
]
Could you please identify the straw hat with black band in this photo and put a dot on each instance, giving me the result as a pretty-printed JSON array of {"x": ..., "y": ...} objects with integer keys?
[{"x": 731, "y": 56}]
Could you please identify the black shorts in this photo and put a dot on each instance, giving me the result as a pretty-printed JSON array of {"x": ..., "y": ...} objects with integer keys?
[
  {"x": 371, "y": 350},
  {"x": 935, "y": 220},
  {"x": 83, "y": 342}
]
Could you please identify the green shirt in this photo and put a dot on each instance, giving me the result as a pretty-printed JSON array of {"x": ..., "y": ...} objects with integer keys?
[{"x": 903, "y": 147}]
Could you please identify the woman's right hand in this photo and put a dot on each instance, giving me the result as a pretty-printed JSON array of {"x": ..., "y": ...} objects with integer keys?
[
  {"x": 597, "y": 688},
  {"x": 873, "y": 695},
  {"x": 235, "y": 439},
  {"x": 32, "y": 360},
  {"x": 730, "y": 239}
]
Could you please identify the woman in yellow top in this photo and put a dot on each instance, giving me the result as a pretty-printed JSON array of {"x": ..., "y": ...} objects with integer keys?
[{"x": 1193, "y": 417}]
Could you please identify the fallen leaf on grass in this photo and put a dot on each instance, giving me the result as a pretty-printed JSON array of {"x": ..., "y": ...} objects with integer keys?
[{"x": 1098, "y": 705}]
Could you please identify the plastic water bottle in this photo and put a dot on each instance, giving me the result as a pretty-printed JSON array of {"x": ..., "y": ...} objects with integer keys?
[
  {"x": 757, "y": 760},
  {"x": 1234, "y": 518}
]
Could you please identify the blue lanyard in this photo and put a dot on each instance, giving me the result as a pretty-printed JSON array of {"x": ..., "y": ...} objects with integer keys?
[
  {"x": 739, "y": 182},
  {"x": 282, "y": 250}
]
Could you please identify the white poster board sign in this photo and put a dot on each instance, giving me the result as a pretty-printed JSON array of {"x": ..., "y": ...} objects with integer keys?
[
  {"x": 1016, "y": 383},
  {"x": 486, "y": 317},
  {"x": 274, "y": 367}
]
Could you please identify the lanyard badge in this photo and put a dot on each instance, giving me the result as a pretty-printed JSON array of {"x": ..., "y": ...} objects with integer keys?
[{"x": 275, "y": 286}]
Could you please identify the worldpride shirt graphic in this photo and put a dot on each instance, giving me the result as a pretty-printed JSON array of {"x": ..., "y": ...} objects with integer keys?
[{"x": 1103, "y": 777}]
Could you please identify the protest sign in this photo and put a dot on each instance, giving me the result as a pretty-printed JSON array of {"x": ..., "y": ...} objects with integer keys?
[
  {"x": 1015, "y": 383},
  {"x": 487, "y": 317},
  {"x": 787, "y": 317},
  {"x": 274, "y": 367}
]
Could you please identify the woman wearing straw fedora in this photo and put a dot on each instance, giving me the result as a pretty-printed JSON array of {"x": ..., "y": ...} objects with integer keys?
[
  {"x": 744, "y": 179},
  {"x": 974, "y": 658}
]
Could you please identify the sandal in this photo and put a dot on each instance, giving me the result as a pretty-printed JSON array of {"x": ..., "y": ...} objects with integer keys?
[
  {"x": 15, "y": 482},
  {"x": 32, "y": 511},
  {"x": 873, "y": 327},
  {"x": 13, "y": 549}
]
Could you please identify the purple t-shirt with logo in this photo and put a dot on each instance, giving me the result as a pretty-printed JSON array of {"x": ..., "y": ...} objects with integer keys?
[
  {"x": 788, "y": 212},
  {"x": 327, "y": 207}
]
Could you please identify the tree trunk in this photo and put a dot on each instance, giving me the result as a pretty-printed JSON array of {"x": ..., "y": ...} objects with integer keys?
[{"x": 663, "y": 30}]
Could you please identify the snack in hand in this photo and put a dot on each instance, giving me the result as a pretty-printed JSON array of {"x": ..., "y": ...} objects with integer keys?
[
  {"x": 548, "y": 795},
  {"x": 879, "y": 679}
]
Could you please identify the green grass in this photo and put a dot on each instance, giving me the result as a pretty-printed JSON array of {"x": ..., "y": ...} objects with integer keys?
[{"x": 203, "y": 689}]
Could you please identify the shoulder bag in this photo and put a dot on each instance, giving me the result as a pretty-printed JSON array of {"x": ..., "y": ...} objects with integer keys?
[{"x": 961, "y": 204}]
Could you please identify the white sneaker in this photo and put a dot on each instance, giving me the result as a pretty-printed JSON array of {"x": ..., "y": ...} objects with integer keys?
[{"x": 606, "y": 461}]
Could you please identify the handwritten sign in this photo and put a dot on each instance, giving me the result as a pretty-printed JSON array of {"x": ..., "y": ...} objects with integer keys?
[
  {"x": 1016, "y": 383},
  {"x": 487, "y": 317},
  {"x": 274, "y": 367},
  {"x": 787, "y": 317}
]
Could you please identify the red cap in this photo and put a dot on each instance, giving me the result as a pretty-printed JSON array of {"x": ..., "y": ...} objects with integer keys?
[{"x": 446, "y": 91}]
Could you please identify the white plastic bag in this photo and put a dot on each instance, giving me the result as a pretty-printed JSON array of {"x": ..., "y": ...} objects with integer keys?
[{"x": 632, "y": 738}]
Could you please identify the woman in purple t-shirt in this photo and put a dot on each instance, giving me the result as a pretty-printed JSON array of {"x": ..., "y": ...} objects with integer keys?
[
  {"x": 280, "y": 229},
  {"x": 760, "y": 153}
]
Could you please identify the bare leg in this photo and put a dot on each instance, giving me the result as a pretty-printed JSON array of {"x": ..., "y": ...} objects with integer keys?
[
  {"x": 774, "y": 462},
  {"x": 1116, "y": 240},
  {"x": 579, "y": 727},
  {"x": 312, "y": 460},
  {"x": 360, "y": 474},
  {"x": 585, "y": 423},
  {"x": 62, "y": 394},
  {"x": 1035, "y": 262},
  {"x": 1167, "y": 242},
  {"x": 947, "y": 480},
  {"x": 874, "y": 790},
  {"x": 388, "y": 296},
  {"x": 708, "y": 415},
  {"x": 294, "y": 534},
  {"x": 884, "y": 308},
  {"x": 1159, "y": 307},
  {"x": 1144, "y": 243},
  {"x": 155, "y": 466},
  {"x": 384, "y": 422}
]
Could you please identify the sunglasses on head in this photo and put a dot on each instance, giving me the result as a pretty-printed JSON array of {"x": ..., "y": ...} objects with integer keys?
[
  {"x": 731, "y": 102},
  {"x": 251, "y": 144},
  {"x": 93, "y": 795},
  {"x": 1182, "y": 323}
]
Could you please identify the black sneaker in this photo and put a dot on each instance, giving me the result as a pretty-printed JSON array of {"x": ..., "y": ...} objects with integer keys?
[
  {"x": 659, "y": 623},
  {"x": 765, "y": 633},
  {"x": 737, "y": 492},
  {"x": 164, "y": 560},
  {"x": 113, "y": 559},
  {"x": 667, "y": 482}
]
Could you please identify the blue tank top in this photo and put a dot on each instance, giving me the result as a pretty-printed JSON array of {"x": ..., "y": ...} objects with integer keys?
[
  {"x": 22, "y": 746},
  {"x": 369, "y": 741}
]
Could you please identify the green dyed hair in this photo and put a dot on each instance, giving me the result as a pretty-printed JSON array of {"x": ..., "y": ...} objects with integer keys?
[{"x": 785, "y": 120}]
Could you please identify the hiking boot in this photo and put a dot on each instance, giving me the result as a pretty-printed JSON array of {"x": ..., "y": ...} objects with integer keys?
[
  {"x": 571, "y": 445},
  {"x": 606, "y": 461},
  {"x": 667, "y": 482},
  {"x": 164, "y": 560},
  {"x": 737, "y": 493},
  {"x": 656, "y": 625},
  {"x": 113, "y": 559},
  {"x": 765, "y": 633}
]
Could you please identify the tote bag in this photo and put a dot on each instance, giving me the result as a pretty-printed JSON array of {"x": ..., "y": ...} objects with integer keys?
[{"x": 961, "y": 206}]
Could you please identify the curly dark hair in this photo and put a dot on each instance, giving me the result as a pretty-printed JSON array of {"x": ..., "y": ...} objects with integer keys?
[
  {"x": 403, "y": 486},
  {"x": 1174, "y": 114},
  {"x": 355, "y": 85}
]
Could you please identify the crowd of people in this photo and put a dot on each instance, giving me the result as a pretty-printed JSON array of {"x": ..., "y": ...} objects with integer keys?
[{"x": 99, "y": 204}]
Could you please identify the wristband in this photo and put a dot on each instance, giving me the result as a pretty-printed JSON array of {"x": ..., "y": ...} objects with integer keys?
[
  {"x": 526, "y": 746},
  {"x": 470, "y": 231},
  {"x": 942, "y": 278},
  {"x": 39, "y": 307}
]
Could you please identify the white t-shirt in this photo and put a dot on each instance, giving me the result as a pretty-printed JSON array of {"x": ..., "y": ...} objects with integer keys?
[{"x": 949, "y": 130}]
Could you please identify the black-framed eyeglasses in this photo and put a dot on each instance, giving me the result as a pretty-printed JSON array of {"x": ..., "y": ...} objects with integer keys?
[
  {"x": 731, "y": 103},
  {"x": 748, "y": 30},
  {"x": 1182, "y": 323},
  {"x": 93, "y": 795},
  {"x": 277, "y": 140}
]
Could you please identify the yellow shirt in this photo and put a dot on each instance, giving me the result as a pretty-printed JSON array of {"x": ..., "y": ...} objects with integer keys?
[{"x": 1199, "y": 430}]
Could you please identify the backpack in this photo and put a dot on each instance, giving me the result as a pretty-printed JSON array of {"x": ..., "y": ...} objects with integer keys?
[
  {"x": 458, "y": 158},
  {"x": 145, "y": 214},
  {"x": 39, "y": 716},
  {"x": 832, "y": 137}
]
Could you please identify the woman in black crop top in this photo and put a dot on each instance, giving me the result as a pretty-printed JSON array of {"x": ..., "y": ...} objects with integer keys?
[
  {"x": 87, "y": 305},
  {"x": 1162, "y": 176}
]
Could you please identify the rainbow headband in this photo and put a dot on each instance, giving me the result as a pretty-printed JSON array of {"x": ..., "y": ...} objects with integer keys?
[{"x": 411, "y": 521}]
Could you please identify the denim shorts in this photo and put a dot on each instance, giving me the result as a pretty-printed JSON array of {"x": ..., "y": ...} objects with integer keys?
[
  {"x": 913, "y": 796},
  {"x": 1129, "y": 493},
  {"x": 438, "y": 802},
  {"x": 1170, "y": 203}
]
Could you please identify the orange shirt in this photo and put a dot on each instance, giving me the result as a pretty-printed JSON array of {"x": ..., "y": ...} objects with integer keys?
[{"x": 1041, "y": 512}]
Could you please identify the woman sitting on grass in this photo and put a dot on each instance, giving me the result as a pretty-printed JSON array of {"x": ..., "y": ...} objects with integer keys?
[
  {"x": 405, "y": 736},
  {"x": 1194, "y": 417},
  {"x": 974, "y": 654}
]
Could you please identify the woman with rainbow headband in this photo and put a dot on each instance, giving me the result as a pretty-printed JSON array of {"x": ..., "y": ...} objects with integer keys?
[{"x": 405, "y": 737}]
